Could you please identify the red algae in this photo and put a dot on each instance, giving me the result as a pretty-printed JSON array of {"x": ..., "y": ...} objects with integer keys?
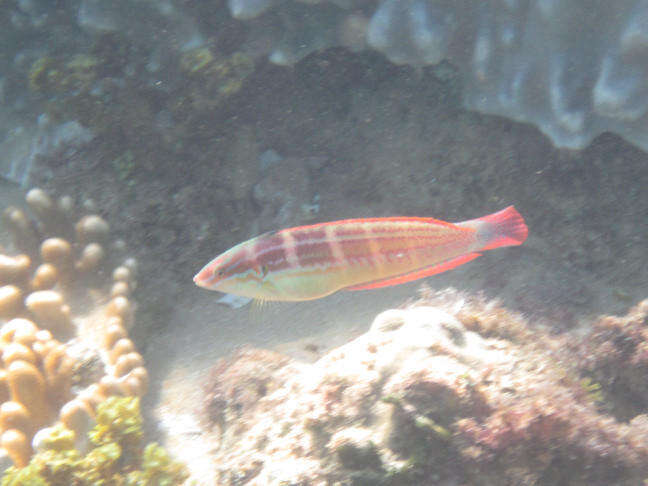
[{"x": 615, "y": 354}]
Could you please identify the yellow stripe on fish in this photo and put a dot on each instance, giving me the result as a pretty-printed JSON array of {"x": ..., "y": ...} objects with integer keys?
[{"x": 309, "y": 262}]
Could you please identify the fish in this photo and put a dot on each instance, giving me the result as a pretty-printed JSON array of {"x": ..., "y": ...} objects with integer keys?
[{"x": 310, "y": 262}]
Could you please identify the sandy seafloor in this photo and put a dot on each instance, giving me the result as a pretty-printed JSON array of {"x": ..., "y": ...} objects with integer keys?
[
  {"x": 399, "y": 145},
  {"x": 185, "y": 353}
]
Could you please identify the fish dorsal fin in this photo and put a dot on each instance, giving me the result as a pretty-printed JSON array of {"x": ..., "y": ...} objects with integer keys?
[{"x": 415, "y": 275}]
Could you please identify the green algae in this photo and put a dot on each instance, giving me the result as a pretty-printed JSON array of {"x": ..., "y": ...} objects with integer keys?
[
  {"x": 211, "y": 80},
  {"x": 53, "y": 75},
  {"x": 125, "y": 167},
  {"x": 116, "y": 456},
  {"x": 196, "y": 60},
  {"x": 59, "y": 439},
  {"x": 593, "y": 390},
  {"x": 427, "y": 424}
]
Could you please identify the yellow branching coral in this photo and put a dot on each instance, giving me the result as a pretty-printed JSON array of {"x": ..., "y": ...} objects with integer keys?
[
  {"x": 116, "y": 456},
  {"x": 65, "y": 310}
]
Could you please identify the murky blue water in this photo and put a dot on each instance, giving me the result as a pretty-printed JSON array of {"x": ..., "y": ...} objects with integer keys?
[{"x": 192, "y": 126}]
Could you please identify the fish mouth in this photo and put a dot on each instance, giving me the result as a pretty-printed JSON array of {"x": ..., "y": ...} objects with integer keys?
[
  {"x": 203, "y": 278},
  {"x": 198, "y": 280}
]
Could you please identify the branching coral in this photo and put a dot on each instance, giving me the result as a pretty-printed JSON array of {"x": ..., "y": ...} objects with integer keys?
[
  {"x": 116, "y": 456},
  {"x": 65, "y": 309},
  {"x": 37, "y": 381}
]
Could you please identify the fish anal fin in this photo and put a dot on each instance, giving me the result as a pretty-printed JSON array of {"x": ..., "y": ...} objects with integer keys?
[{"x": 415, "y": 275}]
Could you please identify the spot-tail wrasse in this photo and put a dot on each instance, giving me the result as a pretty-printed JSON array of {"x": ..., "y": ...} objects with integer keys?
[{"x": 309, "y": 262}]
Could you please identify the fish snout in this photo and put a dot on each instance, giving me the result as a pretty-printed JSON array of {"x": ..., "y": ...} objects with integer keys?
[{"x": 204, "y": 278}]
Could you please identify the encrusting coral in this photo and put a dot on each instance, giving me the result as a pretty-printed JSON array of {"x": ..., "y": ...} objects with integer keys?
[
  {"x": 115, "y": 456},
  {"x": 449, "y": 390},
  {"x": 65, "y": 311}
]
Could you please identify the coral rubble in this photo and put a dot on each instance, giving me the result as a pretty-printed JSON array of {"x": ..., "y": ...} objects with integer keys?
[
  {"x": 65, "y": 311},
  {"x": 449, "y": 390}
]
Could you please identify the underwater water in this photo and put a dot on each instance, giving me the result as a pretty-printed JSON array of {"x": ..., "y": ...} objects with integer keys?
[{"x": 141, "y": 140}]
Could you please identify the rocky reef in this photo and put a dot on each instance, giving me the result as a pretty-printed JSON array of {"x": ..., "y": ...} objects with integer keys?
[
  {"x": 89, "y": 70},
  {"x": 533, "y": 61},
  {"x": 66, "y": 307},
  {"x": 447, "y": 390}
]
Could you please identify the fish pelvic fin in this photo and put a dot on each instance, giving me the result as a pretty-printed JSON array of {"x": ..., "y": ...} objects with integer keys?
[
  {"x": 503, "y": 228},
  {"x": 415, "y": 275},
  {"x": 258, "y": 308}
]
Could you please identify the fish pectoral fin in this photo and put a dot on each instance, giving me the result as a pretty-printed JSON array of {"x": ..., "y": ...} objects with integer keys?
[{"x": 415, "y": 275}]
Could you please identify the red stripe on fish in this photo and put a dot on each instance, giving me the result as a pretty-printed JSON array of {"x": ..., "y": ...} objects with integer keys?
[
  {"x": 357, "y": 250},
  {"x": 314, "y": 253},
  {"x": 390, "y": 219},
  {"x": 270, "y": 252},
  {"x": 409, "y": 277},
  {"x": 308, "y": 245},
  {"x": 307, "y": 234},
  {"x": 345, "y": 231}
]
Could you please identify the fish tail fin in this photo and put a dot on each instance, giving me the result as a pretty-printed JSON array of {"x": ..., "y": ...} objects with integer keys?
[{"x": 503, "y": 228}]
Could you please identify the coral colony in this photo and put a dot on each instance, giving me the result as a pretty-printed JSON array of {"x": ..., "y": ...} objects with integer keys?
[
  {"x": 519, "y": 59},
  {"x": 114, "y": 456},
  {"x": 65, "y": 308}
]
